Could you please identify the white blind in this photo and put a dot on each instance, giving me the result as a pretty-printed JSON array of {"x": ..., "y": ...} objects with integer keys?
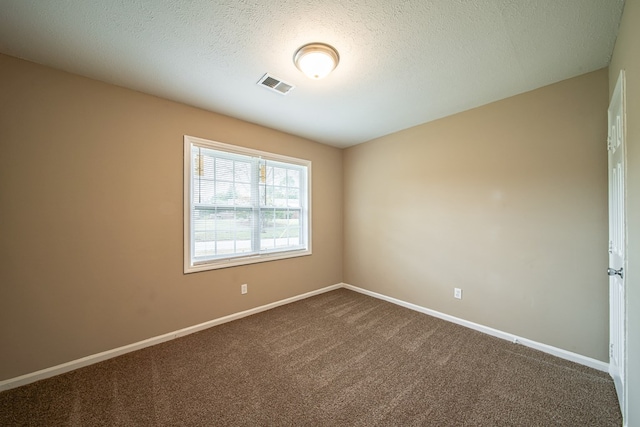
[{"x": 243, "y": 205}]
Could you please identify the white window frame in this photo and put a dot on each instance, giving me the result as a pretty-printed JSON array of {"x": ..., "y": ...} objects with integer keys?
[{"x": 191, "y": 266}]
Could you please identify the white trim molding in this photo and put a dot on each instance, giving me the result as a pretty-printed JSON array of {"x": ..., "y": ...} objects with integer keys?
[
  {"x": 99, "y": 357},
  {"x": 555, "y": 351},
  {"x": 109, "y": 354}
]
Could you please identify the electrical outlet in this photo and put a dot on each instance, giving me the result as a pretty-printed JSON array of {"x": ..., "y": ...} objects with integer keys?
[
  {"x": 243, "y": 289},
  {"x": 457, "y": 293}
]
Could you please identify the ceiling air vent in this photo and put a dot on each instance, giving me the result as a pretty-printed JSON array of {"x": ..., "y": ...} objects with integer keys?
[{"x": 275, "y": 84}]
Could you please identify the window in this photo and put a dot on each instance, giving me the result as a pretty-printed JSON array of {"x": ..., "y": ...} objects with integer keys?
[{"x": 243, "y": 206}]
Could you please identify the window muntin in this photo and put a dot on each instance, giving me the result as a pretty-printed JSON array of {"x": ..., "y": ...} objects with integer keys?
[{"x": 243, "y": 206}]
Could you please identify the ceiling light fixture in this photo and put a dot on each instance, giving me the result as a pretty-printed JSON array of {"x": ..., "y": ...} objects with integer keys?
[{"x": 316, "y": 60}]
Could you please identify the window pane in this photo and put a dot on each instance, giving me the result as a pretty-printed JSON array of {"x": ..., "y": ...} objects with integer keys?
[
  {"x": 280, "y": 228},
  {"x": 293, "y": 198},
  {"x": 243, "y": 172},
  {"x": 243, "y": 194},
  {"x": 269, "y": 180},
  {"x": 279, "y": 176},
  {"x": 224, "y": 193},
  {"x": 279, "y": 196},
  {"x": 267, "y": 224},
  {"x": 207, "y": 165},
  {"x": 204, "y": 191},
  {"x": 204, "y": 225},
  {"x": 221, "y": 231},
  {"x": 293, "y": 178},
  {"x": 224, "y": 170}
]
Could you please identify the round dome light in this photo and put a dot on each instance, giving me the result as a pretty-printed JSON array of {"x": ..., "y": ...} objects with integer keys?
[{"x": 316, "y": 60}]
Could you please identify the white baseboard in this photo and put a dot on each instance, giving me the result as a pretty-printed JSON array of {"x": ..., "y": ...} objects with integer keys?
[
  {"x": 563, "y": 354},
  {"x": 99, "y": 357}
]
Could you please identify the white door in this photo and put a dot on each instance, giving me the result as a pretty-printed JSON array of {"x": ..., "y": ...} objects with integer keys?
[{"x": 617, "y": 242}]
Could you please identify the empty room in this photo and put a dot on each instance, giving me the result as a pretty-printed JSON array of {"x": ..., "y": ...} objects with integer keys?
[{"x": 419, "y": 212}]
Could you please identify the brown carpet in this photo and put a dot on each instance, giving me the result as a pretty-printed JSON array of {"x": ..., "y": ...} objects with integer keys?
[{"x": 340, "y": 358}]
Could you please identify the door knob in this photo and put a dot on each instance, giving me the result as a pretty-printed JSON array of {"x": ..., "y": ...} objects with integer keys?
[{"x": 614, "y": 272}]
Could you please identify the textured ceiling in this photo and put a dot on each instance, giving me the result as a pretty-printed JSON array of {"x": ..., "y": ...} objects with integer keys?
[{"x": 403, "y": 63}]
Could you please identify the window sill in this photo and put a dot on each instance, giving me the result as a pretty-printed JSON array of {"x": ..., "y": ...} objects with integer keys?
[{"x": 239, "y": 261}]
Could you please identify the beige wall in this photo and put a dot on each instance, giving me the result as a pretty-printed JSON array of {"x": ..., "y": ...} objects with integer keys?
[
  {"x": 626, "y": 57},
  {"x": 91, "y": 219},
  {"x": 507, "y": 201}
]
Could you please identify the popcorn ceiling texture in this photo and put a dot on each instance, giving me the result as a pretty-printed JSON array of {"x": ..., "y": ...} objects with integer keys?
[{"x": 402, "y": 63}]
